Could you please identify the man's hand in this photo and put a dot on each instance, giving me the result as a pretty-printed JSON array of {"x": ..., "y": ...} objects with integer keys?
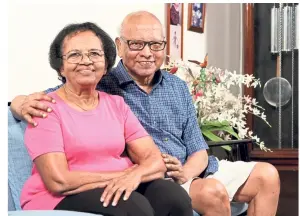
[
  {"x": 31, "y": 105},
  {"x": 124, "y": 184},
  {"x": 174, "y": 169}
]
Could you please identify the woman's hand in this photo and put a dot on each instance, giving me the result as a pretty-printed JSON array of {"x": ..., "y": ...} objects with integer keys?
[{"x": 124, "y": 184}]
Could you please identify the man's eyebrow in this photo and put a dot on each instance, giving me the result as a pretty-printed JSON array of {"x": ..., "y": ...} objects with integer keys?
[{"x": 94, "y": 49}]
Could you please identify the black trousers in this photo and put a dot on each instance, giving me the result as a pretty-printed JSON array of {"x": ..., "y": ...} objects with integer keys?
[{"x": 159, "y": 197}]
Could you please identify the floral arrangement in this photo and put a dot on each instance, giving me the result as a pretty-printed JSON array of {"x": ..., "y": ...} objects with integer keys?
[{"x": 221, "y": 114}]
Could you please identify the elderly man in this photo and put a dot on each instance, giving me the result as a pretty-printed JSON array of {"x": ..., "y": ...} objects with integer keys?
[{"x": 164, "y": 106}]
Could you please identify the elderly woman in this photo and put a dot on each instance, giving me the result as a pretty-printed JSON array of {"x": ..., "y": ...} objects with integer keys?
[{"x": 78, "y": 149}]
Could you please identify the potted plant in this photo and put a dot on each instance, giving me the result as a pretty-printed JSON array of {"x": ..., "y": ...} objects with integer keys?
[{"x": 221, "y": 113}]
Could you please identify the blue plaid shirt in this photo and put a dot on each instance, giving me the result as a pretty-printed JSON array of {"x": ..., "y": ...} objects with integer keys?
[{"x": 167, "y": 112}]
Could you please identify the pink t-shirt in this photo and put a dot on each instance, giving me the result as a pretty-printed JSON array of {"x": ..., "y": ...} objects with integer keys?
[{"x": 93, "y": 141}]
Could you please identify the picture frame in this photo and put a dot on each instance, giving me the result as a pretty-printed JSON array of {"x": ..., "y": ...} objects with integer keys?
[
  {"x": 196, "y": 17},
  {"x": 175, "y": 30}
]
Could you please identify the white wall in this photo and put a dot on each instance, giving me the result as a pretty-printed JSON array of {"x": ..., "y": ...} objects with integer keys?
[
  {"x": 194, "y": 44},
  {"x": 33, "y": 25},
  {"x": 225, "y": 37}
]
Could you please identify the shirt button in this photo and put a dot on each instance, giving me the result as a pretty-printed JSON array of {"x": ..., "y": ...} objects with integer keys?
[{"x": 166, "y": 139}]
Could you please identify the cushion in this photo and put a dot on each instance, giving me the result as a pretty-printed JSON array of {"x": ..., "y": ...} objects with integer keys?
[
  {"x": 11, "y": 204},
  {"x": 19, "y": 162},
  {"x": 236, "y": 209}
]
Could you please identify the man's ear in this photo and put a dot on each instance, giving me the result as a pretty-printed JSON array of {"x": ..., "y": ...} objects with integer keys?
[{"x": 119, "y": 47}]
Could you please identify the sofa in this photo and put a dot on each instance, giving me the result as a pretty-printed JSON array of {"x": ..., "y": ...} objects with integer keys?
[{"x": 19, "y": 169}]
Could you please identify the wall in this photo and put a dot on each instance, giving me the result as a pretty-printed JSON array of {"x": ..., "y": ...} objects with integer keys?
[
  {"x": 194, "y": 45},
  {"x": 225, "y": 37},
  {"x": 33, "y": 25}
]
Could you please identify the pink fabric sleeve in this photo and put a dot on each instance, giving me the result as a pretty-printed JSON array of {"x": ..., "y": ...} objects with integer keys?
[
  {"x": 46, "y": 137},
  {"x": 132, "y": 126}
]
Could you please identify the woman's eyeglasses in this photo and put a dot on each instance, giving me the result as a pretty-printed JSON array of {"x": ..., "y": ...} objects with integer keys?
[{"x": 76, "y": 56}]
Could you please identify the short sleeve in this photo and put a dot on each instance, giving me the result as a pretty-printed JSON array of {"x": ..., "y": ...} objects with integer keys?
[
  {"x": 46, "y": 137},
  {"x": 132, "y": 126}
]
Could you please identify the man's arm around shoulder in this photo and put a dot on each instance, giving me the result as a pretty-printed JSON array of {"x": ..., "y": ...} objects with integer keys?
[{"x": 24, "y": 107}]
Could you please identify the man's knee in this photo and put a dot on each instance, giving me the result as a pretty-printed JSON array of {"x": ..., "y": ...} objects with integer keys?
[
  {"x": 267, "y": 174},
  {"x": 209, "y": 197},
  {"x": 210, "y": 190}
]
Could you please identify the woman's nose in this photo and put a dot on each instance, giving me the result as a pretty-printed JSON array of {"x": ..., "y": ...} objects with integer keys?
[{"x": 86, "y": 59}]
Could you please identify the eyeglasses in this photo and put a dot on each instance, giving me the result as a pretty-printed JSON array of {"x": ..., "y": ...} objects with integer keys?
[
  {"x": 76, "y": 56},
  {"x": 138, "y": 45}
]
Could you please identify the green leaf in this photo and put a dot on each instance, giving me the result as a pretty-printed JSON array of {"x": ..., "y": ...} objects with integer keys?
[
  {"x": 216, "y": 123},
  {"x": 222, "y": 126},
  {"x": 231, "y": 131},
  {"x": 213, "y": 128},
  {"x": 227, "y": 147},
  {"x": 211, "y": 136},
  {"x": 228, "y": 129}
]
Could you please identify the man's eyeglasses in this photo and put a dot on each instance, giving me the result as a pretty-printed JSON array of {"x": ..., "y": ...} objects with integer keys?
[
  {"x": 75, "y": 56},
  {"x": 138, "y": 45}
]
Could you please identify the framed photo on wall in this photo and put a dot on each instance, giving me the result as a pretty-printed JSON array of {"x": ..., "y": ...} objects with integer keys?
[
  {"x": 175, "y": 30},
  {"x": 196, "y": 17}
]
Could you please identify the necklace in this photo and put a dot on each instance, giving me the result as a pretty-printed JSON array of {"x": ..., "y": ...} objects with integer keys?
[{"x": 65, "y": 90}]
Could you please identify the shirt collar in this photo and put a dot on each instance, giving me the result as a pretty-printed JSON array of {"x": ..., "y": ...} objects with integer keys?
[
  {"x": 123, "y": 77},
  {"x": 121, "y": 74}
]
